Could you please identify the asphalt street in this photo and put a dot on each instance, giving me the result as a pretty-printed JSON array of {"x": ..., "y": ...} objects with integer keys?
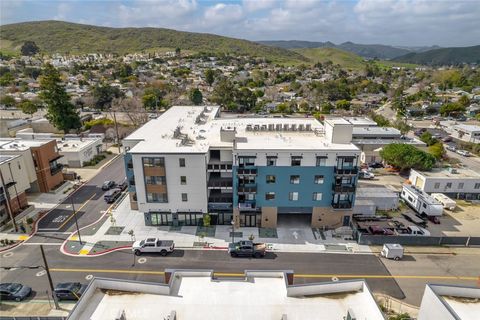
[
  {"x": 308, "y": 267},
  {"x": 87, "y": 200}
]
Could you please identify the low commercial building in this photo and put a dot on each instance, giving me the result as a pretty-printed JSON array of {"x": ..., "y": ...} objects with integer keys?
[
  {"x": 254, "y": 171},
  {"x": 14, "y": 183},
  {"x": 454, "y": 183},
  {"x": 446, "y": 302},
  {"x": 40, "y": 158},
  {"x": 465, "y": 132},
  {"x": 77, "y": 151},
  {"x": 370, "y": 199},
  {"x": 197, "y": 294}
]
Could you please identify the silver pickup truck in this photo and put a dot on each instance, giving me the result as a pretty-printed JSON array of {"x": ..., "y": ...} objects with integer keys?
[{"x": 153, "y": 245}]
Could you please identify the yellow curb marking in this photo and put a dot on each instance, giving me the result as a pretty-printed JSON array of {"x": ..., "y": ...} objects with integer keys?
[
  {"x": 84, "y": 252},
  {"x": 22, "y": 237},
  {"x": 74, "y": 238}
]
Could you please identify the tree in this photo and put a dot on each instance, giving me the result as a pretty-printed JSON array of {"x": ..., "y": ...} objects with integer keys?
[
  {"x": 7, "y": 101},
  {"x": 104, "y": 94},
  {"x": 437, "y": 150},
  {"x": 343, "y": 104},
  {"x": 6, "y": 79},
  {"x": 28, "y": 107},
  {"x": 196, "y": 96},
  {"x": 210, "y": 76},
  {"x": 464, "y": 101},
  {"x": 451, "y": 108},
  {"x": 428, "y": 138},
  {"x": 380, "y": 120},
  {"x": 224, "y": 92},
  {"x": 177, "y": 51},
  {"x": 406, "y": 156},
  {"x": 402, "y": 125},
  {"x": 153, "y": 98},
  {"x": 60, "y": 111},
  {"x": 29, "y": 48},
  {"x": 246, "y": 98}
]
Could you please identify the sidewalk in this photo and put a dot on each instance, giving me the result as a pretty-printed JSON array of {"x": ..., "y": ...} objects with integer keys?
[{"x": 111, "y": 233}]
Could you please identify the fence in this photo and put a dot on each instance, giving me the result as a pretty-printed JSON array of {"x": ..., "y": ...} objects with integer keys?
[{"x": 369, "y": 239}]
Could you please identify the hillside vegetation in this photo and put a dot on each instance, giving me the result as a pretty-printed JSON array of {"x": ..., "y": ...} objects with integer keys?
[
  {"x": 64, "y": 37},
  {"x": 444, "y": 56},
  {"x": 345, "y": 59}
]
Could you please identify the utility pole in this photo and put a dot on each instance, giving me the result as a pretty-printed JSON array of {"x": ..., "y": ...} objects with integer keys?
[
  {"x": 116, "y": 131},
  {"x": 14, "y": 187},
  {"x": 76, "y": 221},
  {"x": 52, "y": 289}
]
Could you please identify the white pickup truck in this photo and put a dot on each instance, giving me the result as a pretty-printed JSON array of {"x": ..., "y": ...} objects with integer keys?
[{"x": 153, "y": 245}]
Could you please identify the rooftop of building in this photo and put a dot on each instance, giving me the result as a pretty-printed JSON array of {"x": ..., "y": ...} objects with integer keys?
[
  {"x": 375, "y": 131},
  {"x": 75, "y": 145},
  {"x": 7, "y": 158},
  {"x": 197, "y": 295},
  {"x": 459, "y": 302},
  {"x": 21, "y": 144},
  {"x": 449, "y": 173},
  {"x": 366, "y": 192},
  {"x": 468, "y": 127},
  {"x": 361, "y": 122},
  {"x": 194, "y": 129}
]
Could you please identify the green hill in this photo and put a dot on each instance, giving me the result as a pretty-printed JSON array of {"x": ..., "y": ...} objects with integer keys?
[
  {"x": 444, "y": 56},
  {"x": 64, "y": 37},
  {"x": 345, "y": 59}
]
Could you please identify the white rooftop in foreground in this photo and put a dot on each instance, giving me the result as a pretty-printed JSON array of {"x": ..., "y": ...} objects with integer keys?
[{"x": 195, "y": 295}]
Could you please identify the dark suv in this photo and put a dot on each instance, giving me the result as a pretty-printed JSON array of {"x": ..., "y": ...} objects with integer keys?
[{"x": 69, "y": 290}]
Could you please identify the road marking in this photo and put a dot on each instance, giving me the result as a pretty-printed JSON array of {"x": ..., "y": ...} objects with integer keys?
[
  {"x": 41, "y": 273},
  {"x": 22, "y": 237},
  {"x": 84, "y": 252},
  {"x": 73, "y": 238},
  {"x": 76, "y": 211},
  {"x": 42, "y": 244},
  {"x": 8, "y": 254},
  {"x": 227, "y": 274},
  {"x": 142, "y": 260}
]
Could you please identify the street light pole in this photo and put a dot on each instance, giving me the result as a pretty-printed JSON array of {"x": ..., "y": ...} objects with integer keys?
[
  {"x": 49, "y": 278},
  {"x": 76, "y": 221},
  {"x": 233, "y": 229}
]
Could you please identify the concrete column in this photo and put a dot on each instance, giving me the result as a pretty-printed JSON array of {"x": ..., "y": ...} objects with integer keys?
[
  {"x": 269, "y": 217},
  {"x": 236, "y": 217}
]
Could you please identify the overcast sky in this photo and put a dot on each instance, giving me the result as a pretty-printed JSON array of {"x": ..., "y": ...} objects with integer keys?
[{"x": 401, "y": 22}]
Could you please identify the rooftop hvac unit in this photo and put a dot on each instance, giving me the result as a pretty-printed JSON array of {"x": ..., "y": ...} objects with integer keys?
[
  {"x": 263, "y": 127},
  {"x": 301, "y": 127},
  {"x": 271, "y": 127},
  {"x": 249, "y": 127},
  {"x": 294, "y": 127},
  {"x": 285, "y": 126},
  {"x": 308, "y": 127},
  {"x": 278, "y": 127},
  {"x": 256, "y": 127}
]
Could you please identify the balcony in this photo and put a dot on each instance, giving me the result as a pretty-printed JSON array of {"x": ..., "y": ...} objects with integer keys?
[
  {"x": 247, "y": 189},
  {"x": 246, "y": 172},
  {"x": 343, "y": 188},
  {"x": 220, "y": 183},
  {"x": 346, "y": 170},
  {"x": 347, "y": 204},
  {"x": 220, "y": 198},
  {"x": 247, "y": 206},
  {"x": 219, "y": 167}
]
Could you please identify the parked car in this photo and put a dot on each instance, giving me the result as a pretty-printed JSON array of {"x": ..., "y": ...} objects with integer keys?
[
  {"x": 123, "y": 186},
  {"x": 247, "y": 248},
  {"x": 69, "y": 290},
  {"x": 413, "y": 231},
  {"x": 434, "y": 219},
  {"x": 153, "y": 245},
  {"x": 14, "y": 291},
  {"x": 366, "y": 175},
  {"x": 464, "y": 153},
  {"x": 447, "y": 139},
  {"x": 112, "y": 195},
  {"x": 451, "y": 148},
  {"x": 107, "y": 185},
  {"x": 376, "y": 165},
  {"x": 380, "y": 230}
]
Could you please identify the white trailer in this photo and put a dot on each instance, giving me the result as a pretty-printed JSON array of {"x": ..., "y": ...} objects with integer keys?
[
  {"x": 421, "y": 202},
  {"x": 447, "y": 203},
  {"x": 392, "y": 251}
]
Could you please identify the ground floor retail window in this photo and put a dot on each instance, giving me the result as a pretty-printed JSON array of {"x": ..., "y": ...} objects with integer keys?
[
  {"x": 248, "y": 219},
  {"x": 161, "y": 219},
  {"x": 190, "y": 219},
  {"x": 221, "y": 218}
]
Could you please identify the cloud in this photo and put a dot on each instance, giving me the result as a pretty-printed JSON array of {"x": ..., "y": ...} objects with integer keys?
[
  {"x": 63, "y": 9},
  {"x": 256, "y": 5},
  {"x": 223, "y": 13}
]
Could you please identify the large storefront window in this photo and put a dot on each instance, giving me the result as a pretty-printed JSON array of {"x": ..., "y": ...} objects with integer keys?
[{"x": 161, "y": 218}]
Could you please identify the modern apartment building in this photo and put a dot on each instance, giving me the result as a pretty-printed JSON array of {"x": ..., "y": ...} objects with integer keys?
[
  {"x": 40, "y": 159},
  {"x": 253, "y": 171}
]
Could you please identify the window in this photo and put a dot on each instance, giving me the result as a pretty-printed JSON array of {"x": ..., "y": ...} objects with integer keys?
[
  {"x": 296, "y": 161},
  {"x": 293, "y": 196},
  {"x": 437, "y": 185},
  {"x": 424, "y": 205},
  {"x": 317, "y": 196},
  {"x": 477, "y": 186},
  {"x": 246, "y": 161},
  {"x": 449, "y": 185},
  {"x": 153, "y": 162},
  {"x": 184, "y": 197},
  {"x": 270, "y": 179},
  {"x": 183, "y": 180},
  {"x": 460, "y": 185},
  {"x": 181, "y": 162},
  {"x": 159, "y": 180},
  {"x": 294, "y": 179},
  {"x": 270, "y": 196},
  {"x": 319, "y": 179},
  {"x": 271, "y": 161},
  {"x": 157, "y": 197},
  {"x": 321, "y": 161}
]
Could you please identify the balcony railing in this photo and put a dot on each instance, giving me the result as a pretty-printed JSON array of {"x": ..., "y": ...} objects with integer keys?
[
  {"x": 242, "y": 171},
  {"x": 343, "y": 187},
  {"x": 346, "y": 170},
  {"x": 245, "y": 189},
  {"x": 220, "y": 183},
  {"x": 221, "y": 198},
  {"x": 342, "y": 205},
  {"x": 54, "y": 170},
  {"x": 247, "y": 206},
  {"x": 219, "y": 167}
]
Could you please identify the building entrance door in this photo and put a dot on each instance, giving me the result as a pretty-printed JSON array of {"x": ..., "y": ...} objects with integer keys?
[
  {"x": 161, "y": 219},
  {"x": 250, "y": 220}
]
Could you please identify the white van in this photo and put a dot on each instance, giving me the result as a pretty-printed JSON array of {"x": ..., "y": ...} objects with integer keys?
[{"x": 447, "y": 203}]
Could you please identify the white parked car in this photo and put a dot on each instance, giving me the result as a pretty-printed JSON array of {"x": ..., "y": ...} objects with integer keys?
[
  {"x": 464, "y": 153},
  {"x": 153, "y": 245},
  {"x": 366, "y": 175}
]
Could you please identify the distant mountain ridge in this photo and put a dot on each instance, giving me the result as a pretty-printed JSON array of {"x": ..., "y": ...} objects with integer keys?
[
  {"x": 443, "y": 56},
  {"x": 65, "y": 37},
  {"x": 364, "y": 50}
]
